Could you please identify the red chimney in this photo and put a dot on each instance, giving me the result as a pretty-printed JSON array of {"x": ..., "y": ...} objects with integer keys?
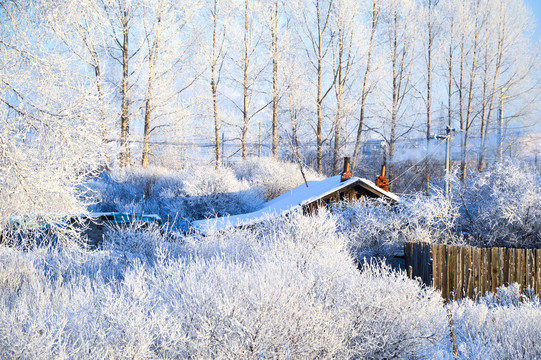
[
  {"x": 346, "y": 174},
  {"x": 381, "y": 181}
]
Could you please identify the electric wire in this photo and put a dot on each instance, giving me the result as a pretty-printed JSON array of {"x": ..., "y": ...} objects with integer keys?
[{"x": 432, "y": 152}]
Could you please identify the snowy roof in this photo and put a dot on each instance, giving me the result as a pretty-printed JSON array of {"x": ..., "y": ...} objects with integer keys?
[{"x": 291, "y": 200}]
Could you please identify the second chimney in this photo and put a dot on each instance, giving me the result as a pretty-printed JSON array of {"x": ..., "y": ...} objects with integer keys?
[
  {"x": 381, "y": 181},
  {"x": 346, "y": 174}
]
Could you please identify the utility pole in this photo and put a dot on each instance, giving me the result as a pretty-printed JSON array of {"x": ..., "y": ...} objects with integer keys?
[
  {"x": 447, "y": 159},
  {"x": 447, "y": 138}
]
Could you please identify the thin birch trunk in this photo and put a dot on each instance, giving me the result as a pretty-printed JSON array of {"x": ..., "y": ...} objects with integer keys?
[
  {"x": 364, "y": 91},
  {"x": 214, "y": 87},
  {"x": 125, "y": 109},
  {"x": 245, "y": 108},
  {"x": 274, "y": 50}
]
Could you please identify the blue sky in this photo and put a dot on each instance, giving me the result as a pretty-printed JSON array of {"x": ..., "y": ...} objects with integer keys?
[{"x": 536, "y": 6}]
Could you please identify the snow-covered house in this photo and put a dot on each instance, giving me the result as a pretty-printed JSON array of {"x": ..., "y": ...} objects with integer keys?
[{"x": 307, "y": 197}]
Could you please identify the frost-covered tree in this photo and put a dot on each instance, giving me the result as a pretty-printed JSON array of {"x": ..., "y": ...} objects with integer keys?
[
  {"x": 507, "y": 69},
  {"x": 368, "y": 83},
  {"x": 80, "y": 27},
  {"x": 165, "y": 23},
  {"x": 246, "y": 68},
  {"x": 316, "y": 34},
  {"x": 51, "y": 124},
  {"x": 126, "y": 45},
  {"x": 430, "y": 9},
  {"x": 401, "y": 31},
  {"x": 215, "y": 53},
  {"x": 345, "y": 51}
]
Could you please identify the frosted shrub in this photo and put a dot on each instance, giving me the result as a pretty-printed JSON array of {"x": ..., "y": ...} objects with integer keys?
[
  {"x": 374, "y": 228},
  {"x": 272, "y": 178},
  {"x": 125, "y": 189},
  {"x": 215, "y": 192},
  {"x": 432, "y": 219},
  {"x": 502, "y": 206},
  {"x": 377, "y": 228},
  {"x": 396, "y": 317},
  {"x": 291, "y": 290},
  {"x": 182, "y": 196},
  {"x": 299, "y": 295},
  {"x": 135, "y": 239},
  {"x": 498, "y": 327}
]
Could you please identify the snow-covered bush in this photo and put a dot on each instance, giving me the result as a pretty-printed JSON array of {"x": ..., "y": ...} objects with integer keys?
[
  {"x": 207, "y": 192},
  {"x": 273, "y": 178},
  {"x": 181, "y": 196},
  {"x": 498, "y": 327},
  {"x": 373, "y": 228},
  {"x": 396, "y": 317},
  {"x": 377, "y": 228},
  {"x": 291, "y": 290},
  {"x": 51, "y": 129},
  {"x": 195, "y": 192},
  {"x": 135, "y": 239},
  {"x": 502, "y": 206}
]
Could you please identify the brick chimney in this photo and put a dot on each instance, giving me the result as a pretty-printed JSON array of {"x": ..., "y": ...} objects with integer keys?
[
  {"x": 346, "y": 174},
  {"x": 381, "y": 181}
]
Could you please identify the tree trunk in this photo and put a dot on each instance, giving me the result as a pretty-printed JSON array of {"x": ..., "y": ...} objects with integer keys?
[
  {"x": 429, "y": 94},
  {"x": 469, "y": 115},
  {"x": 146, "y": 133},
  {"x": 337, "y": 128},
  {"x": 125, "y": 114},
  {"x": 364, "y": 92},
  {"x": 339, "y": 90},
  {"x": 214, "y": 88},
  {"x": 274, "y": 36},
  {"x": 395, "y": 99},
  {"x": 319, "y": 121},
  {"x": 245, "y": 118}
]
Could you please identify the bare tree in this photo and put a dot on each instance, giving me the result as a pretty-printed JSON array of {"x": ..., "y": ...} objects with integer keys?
[
  {"x": 316, "y": 26},
  {"x": 432, "y": 32},
  {"x": 366, "y": 88},
  {"x": 453, "y": 16},
  {"x": 401, "y": 39},
  {"x": 246, "y": 60},
  {"x": 216, "y": 59},
  {"x": 479, "y": 14},
  {"x": 344, "y": 17},
  {"x": 275, "y": 86},
  {"x": 507, "y": 63},
  {"x": 165, "y": 22},
  {"x": 121, "y": 15}
]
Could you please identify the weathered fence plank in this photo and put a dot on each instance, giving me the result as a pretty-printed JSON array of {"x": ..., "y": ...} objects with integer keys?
[
  {"x": 485, "y": 270},
  {"x": 529, "y": 269},
  {"x": 520, "y": 267},
  {"x": 436, "y": 266},
  {"x": 493, "y": 268},
  {"x": 537, "y": 271},
  {"x": 476, "y": 252}
]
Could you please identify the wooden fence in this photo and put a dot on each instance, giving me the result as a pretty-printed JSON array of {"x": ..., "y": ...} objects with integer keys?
[{"x": 460, "y": 271}]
